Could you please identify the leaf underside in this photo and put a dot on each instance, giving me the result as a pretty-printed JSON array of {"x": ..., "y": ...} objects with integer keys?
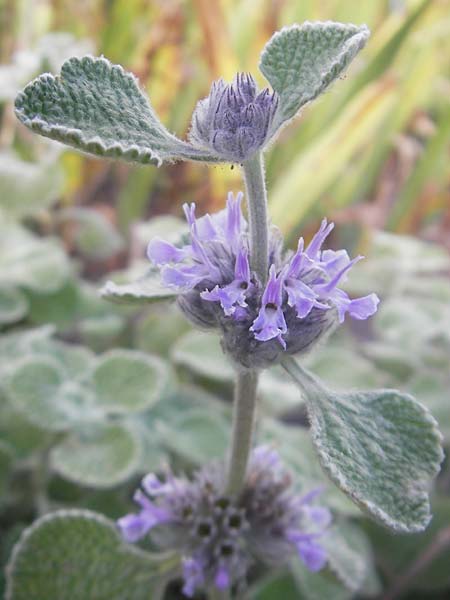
[{"x": 98, "y": 108}]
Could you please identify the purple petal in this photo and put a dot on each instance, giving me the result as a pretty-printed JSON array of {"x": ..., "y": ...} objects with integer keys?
[
  {"x": 242, "y": 267},
  {"x": 189, "y": 211},
  {"x": 184, "y": 277},
  {"x": 317, "y": 241},
  {"x": 313, "y": 555},
  {"x": 362, "y": 308},
  {"x": 134, "y": 527},
  {"x": 193, "y": 576},
  {"x": 300, "y": 296},
  {"x": 234, "y": 224},
  {"x": 161, "y": 252},
  {"x": 222, "y": 578}
]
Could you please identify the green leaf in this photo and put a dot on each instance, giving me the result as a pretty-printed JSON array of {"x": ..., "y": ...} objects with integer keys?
[
  {"x": 99, "y": 456},
  {"x": 197, "y": 436},
  {"x": 127, "y": 381},
  {"x": 350, "y": 554},
  {"x": 94, "y": 236},
  {"x": 146, "y": 290},
  {"x": 382, "y": 448},
  {"x": 433, "y": 390},
  {"x": 32, "y": 262},
  {"x": 97, "y": 107},
  {"x": 39, "y": 389},
  {"x": 201, "y": 353},
  {"x": 13, "y": 305},
  {"x": 274, "y": 588},
  {"x": 317, "y": 586},
  {"x": 27, "y": 188},
  {"x": 300, "y": 62},
  {"x": 77, "y": 555}
]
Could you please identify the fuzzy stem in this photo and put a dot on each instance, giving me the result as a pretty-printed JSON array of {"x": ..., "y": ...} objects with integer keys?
[
  {"x": 243, "y": 422},
  {"x": 256, "y": 195}
]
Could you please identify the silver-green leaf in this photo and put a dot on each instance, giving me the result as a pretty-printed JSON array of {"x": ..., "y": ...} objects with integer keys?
[
  {"x": 78, "y": 554},
  {"x": 382, "y": 448},
  {"x": 98, "y": 108},
  {"x": 146, "y": 290},
  {"x": 301, "y": 61}
]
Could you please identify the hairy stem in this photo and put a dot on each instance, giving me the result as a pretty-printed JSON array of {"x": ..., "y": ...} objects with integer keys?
[
  {"x": 243, "y": 422},
  {"x": 256, "y": 195}
]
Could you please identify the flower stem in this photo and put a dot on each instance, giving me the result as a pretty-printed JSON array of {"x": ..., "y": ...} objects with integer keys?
[
  {"x": 243, "y": 422},
  {"x": 247, "y": 381},
  {"x": 256, "y": 195}
]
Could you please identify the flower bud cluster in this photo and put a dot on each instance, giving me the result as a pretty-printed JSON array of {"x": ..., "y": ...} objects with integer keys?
[
  {"x": 234, "y": 120},
  {"x": 298, "y": 305},
  {"x": 220, "y": 537}
]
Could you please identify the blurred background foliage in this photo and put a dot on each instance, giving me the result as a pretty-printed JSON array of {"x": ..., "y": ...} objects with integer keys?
[{"x": 372, "y": 154}]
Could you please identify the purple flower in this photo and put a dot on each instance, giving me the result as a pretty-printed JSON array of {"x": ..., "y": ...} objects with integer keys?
[
  {"x": 220, "y": 537},
  {"x": 300, "y": 302},
  {"x": 234, "y": 120}
]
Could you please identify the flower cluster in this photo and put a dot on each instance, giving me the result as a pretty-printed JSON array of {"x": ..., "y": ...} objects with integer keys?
[
  {"x": 300, "y": 302},
  {"x": 221, "y": 537},
  {"x": 234, "y": 120}
]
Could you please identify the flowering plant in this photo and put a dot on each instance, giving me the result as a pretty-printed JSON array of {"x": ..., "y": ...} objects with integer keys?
[{"x": 218, "y": 530}]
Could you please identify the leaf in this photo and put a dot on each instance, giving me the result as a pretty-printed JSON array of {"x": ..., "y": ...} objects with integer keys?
[
  {"x": 13, "y": 305},
  {"x": 201, "y": 353},
  {"x": 275, "y": 587},
  {"x": 126, "y": 381},
  {"x": 76, "y": 555},
  {"x": 144, "y": 291},
  {"x": 317, "y": 586},
  {"x": 197, "y": 436},
  {"x": 382, "y": 448},
  {"x": 97, "y": 107},
  {"x": 27, "y": 188},
  {"x": 39, "y": 389},
  {"x": 34, "y": 263},
  {"x": 300, "y": 62},
  {"x": 99, "y": 456},
  {"x": 350, "y": 554},
  {"x": 94, "y": 236}
]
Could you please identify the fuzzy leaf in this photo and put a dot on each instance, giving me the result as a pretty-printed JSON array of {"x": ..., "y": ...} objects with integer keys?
[
  {"x": 382, "y": 448},
  {"x": 39, "y": 389},
  {"x": 126, "y": 381},
  {"x": 144, "y": 291},
  {"x": 201, "y": 353},
  {"x": 98, "y": 456},
  {"x": 301, "y": 61},
  {"x": 13, "y": 305},
  {"x": 78, "y": 554},
  {"x": 99, "y": 108}
]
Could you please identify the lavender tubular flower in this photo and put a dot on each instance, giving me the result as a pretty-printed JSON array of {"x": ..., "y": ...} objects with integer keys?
[
  {"x": 299, "y": 304},
  {"x": 220, "y": 537},
  {"x": 234, "y": 120}
]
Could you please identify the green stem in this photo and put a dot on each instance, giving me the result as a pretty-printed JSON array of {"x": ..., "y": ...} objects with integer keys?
[
  {"x": 247, "y": 381},
  {"x": 243, "y": 422},
  {"x": 257, "y": 215}
]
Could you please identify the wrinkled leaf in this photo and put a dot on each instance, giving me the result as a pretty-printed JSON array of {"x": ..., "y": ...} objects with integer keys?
[
  {"x": 301, "y": 61},
  {"x": 77, "y": 555},
  {"x": 99, "y": 108},
  {"x": 382, "y": 448}
]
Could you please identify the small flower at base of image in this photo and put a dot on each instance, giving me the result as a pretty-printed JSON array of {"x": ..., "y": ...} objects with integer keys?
[
  {"x": 299, "y": 304},
  {"x": 219, "y": 537},
  {"x": 234, "y": 120}
]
